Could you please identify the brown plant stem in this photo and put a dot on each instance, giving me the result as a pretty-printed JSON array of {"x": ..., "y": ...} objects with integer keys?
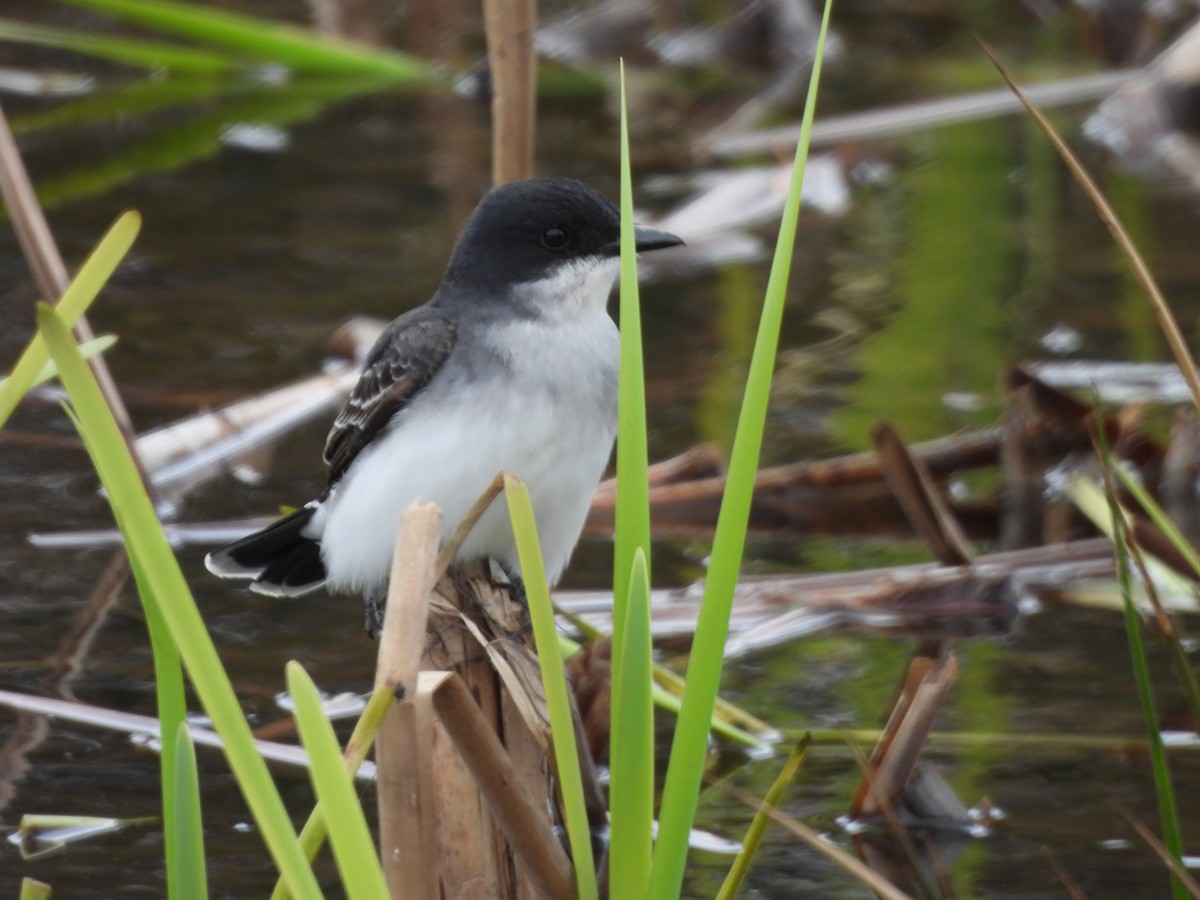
[
  {"x": 50, "y": 274},
  {"x": 510, "y": 26}
]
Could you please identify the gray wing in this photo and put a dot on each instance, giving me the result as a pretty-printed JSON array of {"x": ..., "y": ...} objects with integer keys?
[{"x": 407, "y": 355}]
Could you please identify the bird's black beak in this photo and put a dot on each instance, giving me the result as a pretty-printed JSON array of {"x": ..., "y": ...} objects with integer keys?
[
  {"x": 646, "y": 239},
  {"x": 652, "y": 239}
]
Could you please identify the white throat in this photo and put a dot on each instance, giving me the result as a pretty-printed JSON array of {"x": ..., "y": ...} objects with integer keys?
[{"x": 573, "y": 291}]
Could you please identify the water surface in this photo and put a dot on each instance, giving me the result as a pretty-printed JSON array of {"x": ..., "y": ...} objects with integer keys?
[{"x": 908, "y": 307}]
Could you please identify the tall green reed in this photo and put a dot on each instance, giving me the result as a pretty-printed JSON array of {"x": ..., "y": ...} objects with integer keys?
[
  {"x": 558, "y": 702},
  {"x": 1123, "y": 549},
  {"x": 631, "y": 735},
  {"x": 686, "y": 765}
]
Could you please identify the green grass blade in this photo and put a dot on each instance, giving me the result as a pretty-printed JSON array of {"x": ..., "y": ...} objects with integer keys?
[
  {"x": 631, "y": 762},
  {"x": 353, "y": 846},
  {"x": 1168, "y": 628},
  {"x": 127, "y": 51},
  {"x": 1169, "y": 816},
  {"x": 263, "y": 40},
  {"x": 1172, "y": 836},
  {"x": 92, "y": 276},
  {"x": 758, "y": 826},
  {"x": 87, "y": 349},
  {"x": 172, "y": 716},
  {"x": 632, "y": 526},
  {"x": 172, "y": 707},
  {"x": 148, "y": 546},
  {"x": 562, "y": 725},
  {"x": 665, "y": 699},
  {"x": 170, "y": 699},
  {"x": 192, "y": 881},
  {"x": 312, "y": 836},
  {"x": 739, "y": 721},
  {"x": 1157, "y": 515},
  {"x": 681, "y": 790}
]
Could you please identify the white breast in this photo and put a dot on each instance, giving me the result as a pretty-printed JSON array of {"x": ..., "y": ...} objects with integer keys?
[{"x": 548, "y": 416}]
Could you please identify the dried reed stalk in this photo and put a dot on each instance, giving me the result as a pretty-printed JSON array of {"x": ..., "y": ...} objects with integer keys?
[
  {"x": 50, "y": 272},
  {"x": 510, "y": 26},
  {"x": 1141, "y": 271},
  {"x": 919, "y": 497}
]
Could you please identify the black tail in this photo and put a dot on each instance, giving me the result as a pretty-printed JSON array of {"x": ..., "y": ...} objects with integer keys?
[{"x": 279, "y": 561}]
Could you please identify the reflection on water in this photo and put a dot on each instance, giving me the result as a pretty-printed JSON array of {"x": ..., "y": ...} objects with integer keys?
[
  {"x": 955, "y": 257},
  {"x": 907, "y": 308}
]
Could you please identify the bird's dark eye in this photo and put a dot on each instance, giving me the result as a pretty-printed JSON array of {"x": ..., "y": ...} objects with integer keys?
[{"x": 555, "y": 238}]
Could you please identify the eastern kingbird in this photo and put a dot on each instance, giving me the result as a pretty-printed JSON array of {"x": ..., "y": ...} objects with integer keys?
[{"x": 510, "y": 366}]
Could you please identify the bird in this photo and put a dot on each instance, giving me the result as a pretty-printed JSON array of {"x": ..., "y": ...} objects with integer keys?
[{"x": 510, "y": 366}]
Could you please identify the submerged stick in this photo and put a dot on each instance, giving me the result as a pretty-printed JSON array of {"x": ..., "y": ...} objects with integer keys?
[
  {"x": 907, "y": 731},
  {"x": 133, "y": 723},
  {"x": 909, "y": 117}
]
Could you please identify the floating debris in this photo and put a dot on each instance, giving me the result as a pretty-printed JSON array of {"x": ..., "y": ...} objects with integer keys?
[
  {"x": 25, "y": 83},
  {"x": 1061, "y": 340},
  {"x": 144, "y": 730},
  {"x": 346, "y": 705},
  {"x": 911, "y": 117},
  {"x": 43, "y": 835},
  {"x": 256, "y": 137},
  {"x": 1117, "y": 382}
]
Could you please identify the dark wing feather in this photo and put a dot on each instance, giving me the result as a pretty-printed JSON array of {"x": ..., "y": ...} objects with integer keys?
[{"x": 407, "y": 355}]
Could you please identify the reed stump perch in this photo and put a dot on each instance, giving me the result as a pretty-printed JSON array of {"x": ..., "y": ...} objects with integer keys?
[{"x": 467, "y": 803}]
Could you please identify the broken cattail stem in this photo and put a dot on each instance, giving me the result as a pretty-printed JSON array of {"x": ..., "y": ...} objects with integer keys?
[
  {"x": 522, "y": 819},
  {"x": 895, "y": 756},
  {"x": 919, "y": 497},
  {"x": 405, "y": 793},
  {"x": 411, "y": 581}
]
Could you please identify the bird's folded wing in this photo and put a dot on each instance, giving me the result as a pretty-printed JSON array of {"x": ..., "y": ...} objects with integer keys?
[{"x": 405, "y": 358}]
